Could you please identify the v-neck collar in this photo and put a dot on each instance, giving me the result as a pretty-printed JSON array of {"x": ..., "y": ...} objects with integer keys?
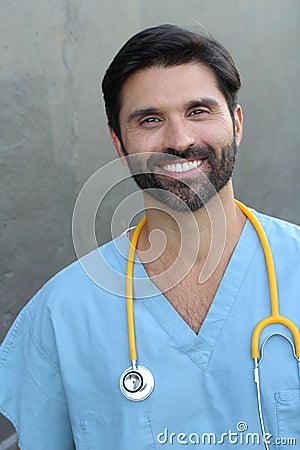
[{"x": 199, "y": 347}]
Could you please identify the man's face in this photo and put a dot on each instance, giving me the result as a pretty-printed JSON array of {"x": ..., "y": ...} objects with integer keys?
[{"x": 178, "y": 112}]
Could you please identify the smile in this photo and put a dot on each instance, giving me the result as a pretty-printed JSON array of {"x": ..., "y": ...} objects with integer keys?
[{"x": 183, "y": 167}]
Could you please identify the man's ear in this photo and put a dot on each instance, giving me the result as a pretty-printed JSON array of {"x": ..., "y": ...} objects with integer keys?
[
  {"x": 117, "y": 145},
  {"x": 238, "y": 124}
]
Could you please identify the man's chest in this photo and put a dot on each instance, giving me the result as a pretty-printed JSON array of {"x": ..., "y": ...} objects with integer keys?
[
  {"x": 192, "y": 301},
  {"x": 183, "y": 287}
]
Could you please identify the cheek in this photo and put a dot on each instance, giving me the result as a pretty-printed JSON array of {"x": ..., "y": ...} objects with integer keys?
[
  {"x": 217, "y": 135},
  {"x": 135, "y": 142}
]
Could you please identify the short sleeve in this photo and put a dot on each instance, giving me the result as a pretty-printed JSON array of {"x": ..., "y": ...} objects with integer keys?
[{"x": 31, "y": 389}]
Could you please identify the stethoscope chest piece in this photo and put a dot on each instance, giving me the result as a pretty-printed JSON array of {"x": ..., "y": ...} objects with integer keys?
[{"x": 136, "y": 384}]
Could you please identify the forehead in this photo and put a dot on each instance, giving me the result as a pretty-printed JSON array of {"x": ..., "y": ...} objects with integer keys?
[{"x": 159, "y": 86}]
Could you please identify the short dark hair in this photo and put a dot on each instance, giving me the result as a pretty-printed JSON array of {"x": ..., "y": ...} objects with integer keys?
[{"x": 167, "y": 46}]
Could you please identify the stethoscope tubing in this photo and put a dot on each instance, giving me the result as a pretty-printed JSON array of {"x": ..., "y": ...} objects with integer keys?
[
  {"x": 137, "y": 382},
  {"x": 129, "y": 291},
  {"x": 275, "y": 316}
]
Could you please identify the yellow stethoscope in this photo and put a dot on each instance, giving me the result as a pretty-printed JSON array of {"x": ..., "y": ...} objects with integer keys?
[{"x": 137, "y": 382}]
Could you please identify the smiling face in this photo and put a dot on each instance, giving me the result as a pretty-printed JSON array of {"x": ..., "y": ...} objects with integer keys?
[{"x": 178, "y": 112}]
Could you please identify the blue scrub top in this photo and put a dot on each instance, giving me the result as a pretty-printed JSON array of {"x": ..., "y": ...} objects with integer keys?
[{"x": 61, "y": 361}]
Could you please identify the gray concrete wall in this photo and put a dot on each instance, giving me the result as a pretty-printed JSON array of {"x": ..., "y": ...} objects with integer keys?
[{"x": 53, "y": 133}]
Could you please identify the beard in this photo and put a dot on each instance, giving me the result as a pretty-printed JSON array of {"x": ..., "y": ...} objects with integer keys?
[{"x": 188, "y": 194}]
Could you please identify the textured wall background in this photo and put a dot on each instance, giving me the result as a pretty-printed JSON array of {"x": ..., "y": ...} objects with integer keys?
[{"x": 53, "y": 133}]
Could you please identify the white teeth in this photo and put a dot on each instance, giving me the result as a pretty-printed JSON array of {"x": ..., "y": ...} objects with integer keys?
[{"x": 183, "y": 167}]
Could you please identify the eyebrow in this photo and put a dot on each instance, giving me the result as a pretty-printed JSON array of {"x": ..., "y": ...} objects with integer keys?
[
  {"x": 205, "y": 101},
  {"x": 140, "y": 112},
  {"x": 143, "y": 112}
]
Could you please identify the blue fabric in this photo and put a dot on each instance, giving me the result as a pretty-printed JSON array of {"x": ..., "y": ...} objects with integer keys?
[{"x": 61, "y": 361}]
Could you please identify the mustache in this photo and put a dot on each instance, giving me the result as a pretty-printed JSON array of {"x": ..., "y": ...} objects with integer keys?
[{"x": 165, "y": 156}]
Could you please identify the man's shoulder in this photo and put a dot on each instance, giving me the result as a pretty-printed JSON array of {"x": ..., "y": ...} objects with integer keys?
[
  {"x": 277, "y": 224},
  {"x": 90, "y": 284},
  {"x": 95, "y": 270},
  {"x": 99, "y": 274},
  {"x": 283, "y": 235}
]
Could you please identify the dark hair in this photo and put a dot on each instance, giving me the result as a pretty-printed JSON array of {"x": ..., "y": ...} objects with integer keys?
[{"x": 166, "y": 46}]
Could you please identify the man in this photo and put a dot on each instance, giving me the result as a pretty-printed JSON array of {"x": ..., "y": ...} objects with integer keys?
[{"x": 171, "y": 102}]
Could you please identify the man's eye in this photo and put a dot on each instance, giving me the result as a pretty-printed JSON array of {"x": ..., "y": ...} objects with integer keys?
[
  {"x": 198, "y": 112},
  {"x": 150, "y": 120}
]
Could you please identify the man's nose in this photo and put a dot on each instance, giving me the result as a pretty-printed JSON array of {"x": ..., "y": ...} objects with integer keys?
[{"x": 178, "y": 136}]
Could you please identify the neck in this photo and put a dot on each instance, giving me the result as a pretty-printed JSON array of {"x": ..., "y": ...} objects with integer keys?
[{"x": 202, "y": 237}]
